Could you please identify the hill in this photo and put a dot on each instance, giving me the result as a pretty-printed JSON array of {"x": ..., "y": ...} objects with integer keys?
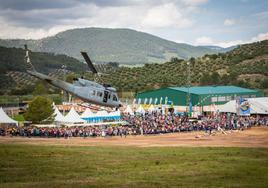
[
  {"x": 124, "y": 46},
  {"x": 12, "y": 60},
  {"x": 246, "y": 66}
]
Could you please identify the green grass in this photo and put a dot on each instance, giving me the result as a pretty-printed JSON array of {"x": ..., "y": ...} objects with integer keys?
[{"x": 69, "y": 166}]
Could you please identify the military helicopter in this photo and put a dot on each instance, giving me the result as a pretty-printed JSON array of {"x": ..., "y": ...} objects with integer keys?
[{"x": 89, "y": 91}]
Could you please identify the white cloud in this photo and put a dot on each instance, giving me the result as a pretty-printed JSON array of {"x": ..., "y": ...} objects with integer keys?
[
  {"x": 194, "y": 2},
  {"x": 229, "y": 22},
  {"x": 166, "y": 15},
  {"x": 204, "y": 41},
  {"x": 209, "y": 41},
  {"x": 148, "y": 17},
  {"x": 260, "y": 37}
]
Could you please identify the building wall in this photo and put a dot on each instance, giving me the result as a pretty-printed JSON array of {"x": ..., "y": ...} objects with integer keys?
[
  {"x": 222, "y": 98},
  {"x": 179, "y": 98}
]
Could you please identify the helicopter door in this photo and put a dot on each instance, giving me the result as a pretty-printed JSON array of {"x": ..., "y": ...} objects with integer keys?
[{"x": 105, "y": 97}]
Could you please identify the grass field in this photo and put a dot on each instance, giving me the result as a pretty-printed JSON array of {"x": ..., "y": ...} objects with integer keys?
[{"x": 24, "y": 165}]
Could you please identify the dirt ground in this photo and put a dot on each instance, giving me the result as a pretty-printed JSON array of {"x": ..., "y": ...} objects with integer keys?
[{"x": 254, "y": 137}]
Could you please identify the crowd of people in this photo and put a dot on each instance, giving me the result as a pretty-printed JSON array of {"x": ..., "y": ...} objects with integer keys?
[{"x": 154, "y": 123}]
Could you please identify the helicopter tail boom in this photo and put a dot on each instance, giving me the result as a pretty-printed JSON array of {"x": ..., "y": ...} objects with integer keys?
[
  {"x": 55, "y": 82},
  {"x": 29, "y": 65}
]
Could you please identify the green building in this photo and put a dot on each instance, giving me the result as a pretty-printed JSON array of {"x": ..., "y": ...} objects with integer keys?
[{"x": 201, "y": 95}]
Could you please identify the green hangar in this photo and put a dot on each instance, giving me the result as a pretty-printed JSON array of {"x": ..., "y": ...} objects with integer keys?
[{"x": 199, "y": 95}]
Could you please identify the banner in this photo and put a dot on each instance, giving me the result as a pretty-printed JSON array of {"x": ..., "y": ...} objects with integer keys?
[{"x": 243, "y": 107}]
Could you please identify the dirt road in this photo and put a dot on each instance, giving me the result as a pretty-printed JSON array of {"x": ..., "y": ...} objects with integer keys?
[{"x": 255, "y": 137}]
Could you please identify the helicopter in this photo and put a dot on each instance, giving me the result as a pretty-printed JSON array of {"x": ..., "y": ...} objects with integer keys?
[{"x": 88, "y": 91}]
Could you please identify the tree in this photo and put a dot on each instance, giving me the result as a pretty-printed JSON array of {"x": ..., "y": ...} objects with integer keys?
[
  {"x": 264, "y": 84},
  {"x": 215, "y": 78},
  {"x": 40, "y": 89},
  {"x": 40, "y": 109}
]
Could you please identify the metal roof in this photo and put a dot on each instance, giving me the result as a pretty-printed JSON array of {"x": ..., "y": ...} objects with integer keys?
[{"x": 201, "y": 90}]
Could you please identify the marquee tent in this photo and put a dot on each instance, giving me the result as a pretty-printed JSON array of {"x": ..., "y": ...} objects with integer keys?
[
  {"x": 257, "y": 106},
  {"x": 73, "y": 117},
  {"x": 4, "y": 118},
  {"x": 88, "y": 115},
  {"x": 101, "y": 115},
  {"x": 115, "y": 115},
  {"x": 58, "y": 116}
]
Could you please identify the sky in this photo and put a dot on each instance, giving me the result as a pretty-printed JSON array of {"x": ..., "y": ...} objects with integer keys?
[{"x": 198, "y": 22}]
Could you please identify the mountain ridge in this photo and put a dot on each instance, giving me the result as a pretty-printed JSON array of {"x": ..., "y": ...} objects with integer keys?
[{"x": 125, "y": 46}]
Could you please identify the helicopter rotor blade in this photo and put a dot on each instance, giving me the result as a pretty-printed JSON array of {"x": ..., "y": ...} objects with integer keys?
[{"x": 89, "y": 63}]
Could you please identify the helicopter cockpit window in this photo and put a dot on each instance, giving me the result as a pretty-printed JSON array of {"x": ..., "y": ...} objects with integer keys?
[
  {"x": 99, "y": 94},
  {"x": 114, "y": 98},
  {"x": 94, "y": 92}
]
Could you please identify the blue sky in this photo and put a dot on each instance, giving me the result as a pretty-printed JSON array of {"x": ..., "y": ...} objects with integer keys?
[{"x": 198, "y": 22}]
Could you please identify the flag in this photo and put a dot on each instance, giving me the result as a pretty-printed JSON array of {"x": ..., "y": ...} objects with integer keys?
[
  {"x": 166, "y": 100},
  {"x": 155, "y": 101},
  {"x": 139, "y": 101},
  {"x": 150, "y": 100},
  {"x": 145, "y": 101}
]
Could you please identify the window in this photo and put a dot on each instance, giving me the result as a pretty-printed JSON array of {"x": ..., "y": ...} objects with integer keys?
[
  {"x": 94, "y": 92},
  {"x": 99, "y": 94},
  {"x": 228, "y": 98},
  {"x": 213, "y": 99},
  {"x": 114, "y": 98},
  {"x": 221, "y": 99}
]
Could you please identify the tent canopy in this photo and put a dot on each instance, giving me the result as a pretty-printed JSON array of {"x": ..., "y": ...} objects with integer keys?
[
  {"x": 58, "y": 116},
  {"x": 73, "y": 117},
  {"x": 87, "y": 114},
  {"x": 4, "y": 118},
  {"x": 257, "y": 106},
  {"x": 102, "y": 113}
]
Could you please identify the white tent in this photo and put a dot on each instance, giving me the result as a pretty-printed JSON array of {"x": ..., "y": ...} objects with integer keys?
[
  {"x": 228, "y": 107},
  {"x": 58, "y": 116},
  {"x": 73, "y": 117},
  {"x": 4, "y": 118},
  {"x": 257, "y": 106},
  {"x": 87, "y": 114},
  {"x": 102, "y": 113},
  {"x": 116, "y": 113},
  {"x": 128, "y": 110},
  {"x": 140, "y": 110}
]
